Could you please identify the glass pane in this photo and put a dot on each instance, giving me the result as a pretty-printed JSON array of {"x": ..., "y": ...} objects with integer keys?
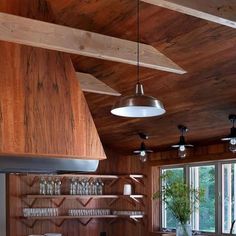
[
  {"x": 228, "y": 196},
  {"x": 168, "y": 220},
  {"x": 203, "y": 218}
]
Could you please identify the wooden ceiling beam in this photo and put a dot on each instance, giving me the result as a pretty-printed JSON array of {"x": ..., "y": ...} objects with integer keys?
[
  {"x": 219, "y": 11},
  {"x": 91, "y": 84},
  {"x": 40, "y": 34}
]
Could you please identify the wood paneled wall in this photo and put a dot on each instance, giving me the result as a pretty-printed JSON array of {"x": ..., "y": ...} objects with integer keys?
[
  {"x": 115, "y": 164},
  {"x": 205, "y": 153},
  {"x": 42, "y": 108}
]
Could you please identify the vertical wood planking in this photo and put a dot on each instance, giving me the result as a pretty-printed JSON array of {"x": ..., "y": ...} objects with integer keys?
[
  {"x": 42, "y": 108},
  {"x": 113, "y": 165}
]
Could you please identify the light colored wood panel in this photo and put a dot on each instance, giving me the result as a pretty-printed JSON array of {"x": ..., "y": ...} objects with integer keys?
[
  {"x": 154, "y": 223},
  {"x": 60, "y": 38},
  {"x": 91, "y": 84},
  {"x": 218, "y": 11}
]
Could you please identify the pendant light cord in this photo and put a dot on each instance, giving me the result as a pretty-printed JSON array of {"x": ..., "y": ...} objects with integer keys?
[{"x": 138, "y": 41}]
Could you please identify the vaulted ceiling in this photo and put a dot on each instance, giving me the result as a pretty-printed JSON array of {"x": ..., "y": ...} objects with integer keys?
[{"x": 201, "y": 99}]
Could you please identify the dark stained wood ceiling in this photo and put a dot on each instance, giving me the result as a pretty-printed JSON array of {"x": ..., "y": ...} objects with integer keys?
[{"x": 202, "y": 99}]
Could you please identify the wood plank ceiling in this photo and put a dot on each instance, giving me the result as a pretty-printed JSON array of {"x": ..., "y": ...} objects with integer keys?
[{"x": 200, "y": 99}]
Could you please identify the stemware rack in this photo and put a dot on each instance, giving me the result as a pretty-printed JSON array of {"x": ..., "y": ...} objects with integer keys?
[{"x": 84, "y": 200}]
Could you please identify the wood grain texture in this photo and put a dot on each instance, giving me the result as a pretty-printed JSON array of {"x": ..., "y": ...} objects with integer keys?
[
  {"x": 206, "y": 153},
  {"x": 43, "y": 110},
  {"x": 91, "y": 84},
  {"x": 202, "y": 99},
  {"x": 113, "y": 165},
  {"x": 218, "y": 11},
  {"x": 21, "y": 30}
]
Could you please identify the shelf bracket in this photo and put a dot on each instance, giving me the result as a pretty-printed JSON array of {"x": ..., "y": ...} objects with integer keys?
[
  {"x": 59, "y": 203},
  {"x": 140, "y": 201},
  {"x": 57, "y": 224},
  {"x": 113, "y": 201},
  {"x": 31, "y": 204},
  {"x": 138, "y": 220},
  {"x": 132, "y": 201},
  {"x": 84, "y": 204},
  {"x": 133, "y": 220},
  {"x": 137, "y": 180},
  {"x": 30, "y": 184},
  {"x": 28, "y": 224},
  {"x": 85, "y": 223},
  {"x": 113, "y": 221},
  {"x": 112, "y": 182}
]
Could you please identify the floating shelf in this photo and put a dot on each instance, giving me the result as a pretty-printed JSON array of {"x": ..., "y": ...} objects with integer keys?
[
  {"x": 114, "y": 178},
  {"x": 30, "y": 196},
  {"x": 62, "y": 219},
  {"x": 136, "y": 198},
  {"x": 79, "y": 217},
  {"x": 84, "y": 200}
]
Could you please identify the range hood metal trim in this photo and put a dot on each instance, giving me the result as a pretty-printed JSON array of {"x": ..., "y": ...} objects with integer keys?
[{"x": 45, "y": 165}]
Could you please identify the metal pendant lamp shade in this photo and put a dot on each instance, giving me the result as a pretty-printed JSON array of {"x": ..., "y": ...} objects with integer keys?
[
  {"x": 232, "y": 136},
  {"x": 138, "y": 105}
]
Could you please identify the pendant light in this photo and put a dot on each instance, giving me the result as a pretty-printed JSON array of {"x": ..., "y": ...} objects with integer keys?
[
  {"x": 182, "y": 152},
  {"x": 142, "y": 152},
  {"x": 232, "y": 136},
  {"x": 138, "y": 105}
]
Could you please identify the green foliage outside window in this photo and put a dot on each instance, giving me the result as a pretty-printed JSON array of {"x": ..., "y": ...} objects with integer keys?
[{"x": 179, "y": 198}]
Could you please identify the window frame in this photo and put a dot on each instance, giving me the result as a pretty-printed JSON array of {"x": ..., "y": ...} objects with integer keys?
[
  {"x": 218, "y": 192},
  {"x": 160, "y": 184}
]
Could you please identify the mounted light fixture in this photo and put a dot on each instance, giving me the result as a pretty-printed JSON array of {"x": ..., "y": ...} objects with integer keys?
[
  {"x": 232, "y": 136},
  {"x": 182, "y": 152},
  {"x": 142, "y": 152},
  {"x": 138, "y": 105}
]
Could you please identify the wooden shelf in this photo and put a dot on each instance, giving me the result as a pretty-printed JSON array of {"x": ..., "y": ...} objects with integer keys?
[
  {"x": 79, "y": 217},
  {"x": 82, "y": 196},
  {"x": 138, "y": 178},
  {"x": 62, "y": 219},
  {"x": 84, "y": 200}
]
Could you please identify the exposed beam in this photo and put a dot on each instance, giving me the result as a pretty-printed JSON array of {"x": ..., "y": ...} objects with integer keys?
[
  {"x": 91, "y": 84},
  {"x": 35, "y": 33},
  {"x": 219, "y": 11}
]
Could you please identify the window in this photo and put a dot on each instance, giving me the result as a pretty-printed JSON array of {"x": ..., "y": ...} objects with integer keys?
[
  {"x": 168, "y": 221},
  {"x": 218, "y": 210},
  {"x": 228, "y": 196},
  {"x": 203, "y": 219}
]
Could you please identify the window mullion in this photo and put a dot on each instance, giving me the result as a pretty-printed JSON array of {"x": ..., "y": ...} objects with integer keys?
[
  {"x": 218, "y": 197},
  {"x": 187, "y": 174}
]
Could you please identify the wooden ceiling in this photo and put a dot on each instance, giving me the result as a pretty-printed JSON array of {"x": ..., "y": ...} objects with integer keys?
[{"x": 202, "y": 99}]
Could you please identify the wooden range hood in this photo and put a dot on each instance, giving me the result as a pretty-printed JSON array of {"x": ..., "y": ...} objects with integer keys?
[{"x": 43, "y": 111}]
